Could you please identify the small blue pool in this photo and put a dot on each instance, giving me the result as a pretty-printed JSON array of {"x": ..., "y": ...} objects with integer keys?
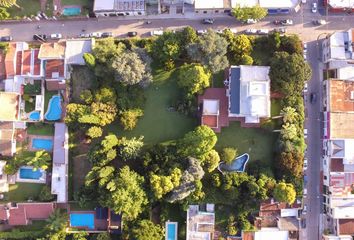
[
  {"x": 54, "y": 109},
  {"x": 237, "y": 165},
  {"x": 34, "y": 116},
  {"x": 71, "y": 11},
  {"x": 171, "y": 230},
  {"x": 82, "y": 220},
  {"x": 28, "y": 173},
  {"x": 42, "y": 144}
]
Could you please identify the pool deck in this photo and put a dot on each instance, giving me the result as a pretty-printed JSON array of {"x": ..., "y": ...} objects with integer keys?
[{"x": 30, "y": 140}]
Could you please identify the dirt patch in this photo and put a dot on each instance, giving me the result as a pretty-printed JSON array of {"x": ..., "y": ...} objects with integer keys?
[{"x": 82, "y": 79}]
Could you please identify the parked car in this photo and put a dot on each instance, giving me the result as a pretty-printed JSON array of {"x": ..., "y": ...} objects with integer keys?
[
  {"x": 251, "y": 21},
  {"x": 40, "y": 37},
  {"x": 287, "y": 22},
  {"x": 84, "y": 35},
  {"x": 313, "y": 97},
  {"x": 251, "y": 31},
  {"x": 305, "y": 87},
  {"x": 319, "y": 22},
  {"x": 305, "y": 57},
  {"x": 56, "y": 36},
  {"x": 5, "y": 39},
  {"x": 156, "y": 33},
  {"x": 132, "y": 34},
  {"x": 304, "y": 46},
  {"x": 304, "y": 192},
  {"x": 304, "y": 209},
  {"x": 107, "y": 34},
  {"x": 220, "y": 31},
  {"x": 314, "y": 8},
  {"x": 305, "y": 132},
  {"x": 201, "y": 31},
  {"x": 303, "y": 222},
  {"x": 263, "y": 31},
  {"x": 281, "y": 30},
  {"x": 208, "y": 21},
  {"x": 96, "y": 34},
  {"x": 305, "y": 164}
]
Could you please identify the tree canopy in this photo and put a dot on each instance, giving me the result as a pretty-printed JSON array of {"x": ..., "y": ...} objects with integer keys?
[
  {"x": 243, "y": 13},
  {"x": 40, "y": 160},
  {"x": 285, "y": 192},
  {"x": 147, "y": 230}
]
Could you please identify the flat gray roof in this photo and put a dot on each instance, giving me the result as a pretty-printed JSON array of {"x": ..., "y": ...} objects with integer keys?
[{"x": 59, "y": 143}]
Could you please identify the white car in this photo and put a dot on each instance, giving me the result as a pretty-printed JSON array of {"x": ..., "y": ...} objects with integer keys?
[
  {"x": 96, "y": 34},
  {"x": 304, "y": 209},
  {"x": 220, "y": 31},
  {"x": 263, "y": 31},
  {"x": 304, "y": 192},
  {"x": 156, "y": 33},
  {"x": 251, "y": 31},
  {"x": 305, "y": 47},
  {"x": 305, "y": 57},
  {"x": 305, "y": 132},
  {"x": 305, "y": 164},
  {"x": 201, "y": 31},
  {"x": 251, "y": 21},
  {"x": 305, "y": 87},
  {"x": 314, "y": 8},
  {"x": 56, "y": 36}
]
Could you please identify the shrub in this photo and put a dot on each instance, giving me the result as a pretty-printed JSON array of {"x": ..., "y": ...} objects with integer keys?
[
  {"x": 129, "y": 118},
  {"x": 228, "y": 154},
  {"x": 45, "y": 194},
  {"x": 94, "y": 132}
]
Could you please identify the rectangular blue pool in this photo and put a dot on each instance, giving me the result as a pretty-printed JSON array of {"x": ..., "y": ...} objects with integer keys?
[
  {"x": 82, "y": 220},
  {"x": 42, "y": 144},
  {"x": 171, "y": 230},
  {"x": 28, "y": 173}
]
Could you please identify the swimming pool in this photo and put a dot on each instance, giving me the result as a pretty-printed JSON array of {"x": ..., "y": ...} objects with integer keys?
[
  {"x": 42, "y": 144},
  {"x": 28, "y": 173},
  {"x": 171, "y": 230},
  {"x": 34, "y": 116},
  {"x": 71, "y": 11},
  {"x": 237, "y": 165},
  {"x": 54, "y": 109},
  {"x": 82, "y": 220}
]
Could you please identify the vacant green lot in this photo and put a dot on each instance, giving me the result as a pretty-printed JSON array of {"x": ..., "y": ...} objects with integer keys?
[
  {"x": 40, "y": 129},
  {"x": 26, "y": 8},
  {"x": 257, "y": 142},
  {"x": 81, "y": 79},
  {"x": 20, "y": 192},
  {"x": 158, "y": 123}
]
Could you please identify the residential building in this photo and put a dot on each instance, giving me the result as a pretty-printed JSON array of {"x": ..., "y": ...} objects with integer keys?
[
  {"x": 17, "y": 214},
  {"x": 60, "y": 162},
  {"x": 219, "y": 6},
  {"x": 75, "y": 49},
  {"x": 276, "y": 220},
  {"x": 200, "y": 222},
  {"x": 338, "y": 155},
  {"x": 249, "y": 93},
  {"x": 346, "y": 6},
  {"x": 105, "y": 8},
  {"x": 4, "y": 185},
  {"x": 7, "y": 137}
]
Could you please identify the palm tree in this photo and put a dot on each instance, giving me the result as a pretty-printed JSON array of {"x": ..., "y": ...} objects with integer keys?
[
  {"x": 288, "y": 131},
  {"x": 57, "y": 221},
  {"x": 40, "y": 160},
  {"x": 289, "y": 114},
  {"x": 8, "y": 3}
]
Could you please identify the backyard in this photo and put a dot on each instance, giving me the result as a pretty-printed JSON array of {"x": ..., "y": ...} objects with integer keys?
[
  {"x": 40, "y": 129},
  {"x": 159, "y": 124}
]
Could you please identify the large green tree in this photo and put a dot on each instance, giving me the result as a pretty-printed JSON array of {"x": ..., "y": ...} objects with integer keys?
[
  {"x": 193, "y": 78},
  {"x": 239, "y": 48},
  {"x": 130, "y": 148},
  {"x": 129, "y": 118},
  {"x": 285, "y": 192},
  {"x": 125, "y": 194},
  {"x": 4, "y": 14},
  {"x": 198, "y": 142},
  {"x": 161, "y": 185},
  {"x": 8, "y": 3},
  {"x": 40, "y": 160},
  {"x": 147, "y": 230},
  {"x": 243, "y": 13},
  {"x": 57, "y": 221},
  {"x": 210, "y": 51}
]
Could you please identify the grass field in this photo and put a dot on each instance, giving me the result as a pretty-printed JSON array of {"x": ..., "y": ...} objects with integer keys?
[
  {"x": 27, "y": 8},
  {"x": 40, "y": 129},
  {"x": 257, "y": 142},
  {"x": 21, "y": 192},
  {"x": 158, "y": 124}
]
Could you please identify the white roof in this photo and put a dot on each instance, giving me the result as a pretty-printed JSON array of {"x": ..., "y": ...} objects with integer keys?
[
  {"x": 337, "y": 45},
  {"x": 2, "y": 165},
  {"x": 289, "y": 212},
  {"x": 103, "y": 5},
  {"x": 348, "y": 151},
  {"x": 75, "y": 50},
  {"x": 271, "y": 234},
  {"x": 244, "y": 3},
  {"x": 209, "y": 4},
  {"x": 59, "y": 182},
  {"x": 341, "y": 3},
  {"x": 346, "y": 73},
  {"x": 210, "y": 107},
  {"x": 343, "y": 212}
]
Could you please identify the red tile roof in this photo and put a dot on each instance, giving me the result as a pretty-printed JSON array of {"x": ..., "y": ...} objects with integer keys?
[
  {"x": 37, "y": 63},
  {"x": 346, "y": 226},
  {"x": 55, "y": 85},
  {"x": 2, "y": 65},
  {"x": 18, "y": 63},
  {"x": 18, "y": 216},
  {"x": 54, "y": 66},
  {"x": 26, "y": 66},
  {"x": 9, "y": 60}
]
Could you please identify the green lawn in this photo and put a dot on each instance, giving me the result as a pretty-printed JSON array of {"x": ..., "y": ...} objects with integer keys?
[
  {"x": 76, "y": 2},
  {"x": 275, "y": 107},
  {"x": 257, "y": 142},
  {"x": 30, "y": 105},
  {"x": 27, "y": 8},
  {"x": 33, "y": 89},
  {"x": 40, "y": 129},
  {"x": 158, "y": 124},
  {"x": 21, "y": 192}
]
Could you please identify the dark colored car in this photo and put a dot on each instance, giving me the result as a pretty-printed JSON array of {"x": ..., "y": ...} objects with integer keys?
[
  {"x": 208, "y": 21},
  {"x": 132, "y": 34},
  {"x": 5, "y": 39},
  {"x": 313, "y": 97},
  {"x": 107, "y": 34},
  {"x": 40, "y": 37},
  {"x": 276, "y": 22}
]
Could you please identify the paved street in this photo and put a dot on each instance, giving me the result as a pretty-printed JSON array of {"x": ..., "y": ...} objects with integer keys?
[{"x": 302, "y": 26}]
